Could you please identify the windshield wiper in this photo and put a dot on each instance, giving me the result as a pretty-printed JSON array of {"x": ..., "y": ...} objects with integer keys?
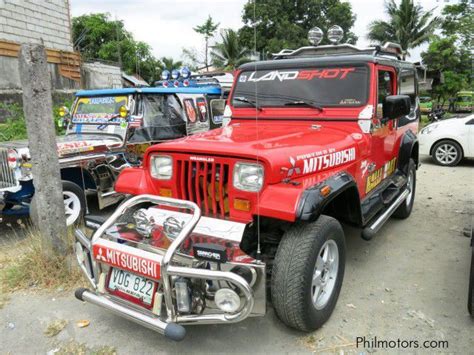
[
  {"x": 304, "y": 103},
  {"x": 248, "y": 101}
]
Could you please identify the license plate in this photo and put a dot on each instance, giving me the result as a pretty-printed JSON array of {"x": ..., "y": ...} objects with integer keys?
[{"x": 131, "y": 284}]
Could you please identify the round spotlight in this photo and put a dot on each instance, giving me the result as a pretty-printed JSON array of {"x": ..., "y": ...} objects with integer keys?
[
  {"x": 335, "y": 34},
  {"x": 185, "y": 73},
  {"x": 165, "y": 75},
  {"x": 176, "y": 83},
  {"x": 227, "y": 300},
  {"x": 315, "y": 36},
  {"x": 175, "y": 74},
  {"x": 186, "y": 82},
  {"x": 166, "y": 84}
]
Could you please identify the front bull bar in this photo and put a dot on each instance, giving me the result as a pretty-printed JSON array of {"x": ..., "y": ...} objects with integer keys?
[{"x": 169, "y": 328}]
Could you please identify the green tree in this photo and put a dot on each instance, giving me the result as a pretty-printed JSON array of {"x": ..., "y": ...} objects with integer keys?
[
  {"x": 168, "y": 63},
  {"x": 207, "y": 29},
  {"x": 229, "y": 54},
  {"x": 452, "y": 61},
  {"x": 96, "y": 36},
  {"x": 459, "y": 21},
  {"x": 408, "y": 25},
  {"x": 279, "y": 24}
]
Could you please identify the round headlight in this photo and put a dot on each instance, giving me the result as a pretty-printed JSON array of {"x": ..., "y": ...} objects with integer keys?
[
  {"x": 165, "y": 75},
  {"x": 315, "y": 36},
  {"x": 335, "y": 34},
  {"x": 161, "y": 167},
  {"x": 185, "y": 73},
  {"x": 13, "y": 159},
  {"x": 175, "y": 74},
  {"x": 227, "y": 300}
]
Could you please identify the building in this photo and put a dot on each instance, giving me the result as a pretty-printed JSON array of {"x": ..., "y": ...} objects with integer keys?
[{"x": 47, "y": 22}]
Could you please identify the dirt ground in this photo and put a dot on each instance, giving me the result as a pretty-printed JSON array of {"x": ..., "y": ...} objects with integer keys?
[{"x": 410, "y": 284}]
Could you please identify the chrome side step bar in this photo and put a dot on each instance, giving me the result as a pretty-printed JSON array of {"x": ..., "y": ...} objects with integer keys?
[
  {"x": 369, "y": 232},
  {"x": 172, "y": 331}
]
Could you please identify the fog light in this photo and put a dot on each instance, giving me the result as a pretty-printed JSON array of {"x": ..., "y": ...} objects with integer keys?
[
  {"x": 183, "y": 298},
  {"x": 227, "y": 300}
]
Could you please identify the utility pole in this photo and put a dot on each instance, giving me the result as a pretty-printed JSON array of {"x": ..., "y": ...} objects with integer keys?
[{"x": 38, "y": 109}]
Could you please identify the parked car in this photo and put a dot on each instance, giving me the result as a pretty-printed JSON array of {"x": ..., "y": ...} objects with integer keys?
[
  {"x": 464, "y": 101},
  {"x": 426, "y": 104},
  {"x": 107, "y": 131},
  {"x": 448, "y": 141},
  {"x": 317, "y": 137}
]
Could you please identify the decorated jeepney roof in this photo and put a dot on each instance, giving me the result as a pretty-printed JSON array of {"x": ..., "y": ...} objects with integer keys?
[{"x": 204, "y": 89}]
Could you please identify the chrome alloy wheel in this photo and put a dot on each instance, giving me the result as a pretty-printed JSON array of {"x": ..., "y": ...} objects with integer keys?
[
  {"x": 446, "y": 154},
  {"x": 72, "y": 207},
  {"x": 325, "y": 274}
]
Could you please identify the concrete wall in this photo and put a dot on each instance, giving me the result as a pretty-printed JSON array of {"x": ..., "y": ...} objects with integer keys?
[
  {"x": 32, "y": 20},
  {"x": 100, "y": 76}
]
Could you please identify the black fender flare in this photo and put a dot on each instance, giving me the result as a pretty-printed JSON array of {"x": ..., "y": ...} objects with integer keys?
[
  {"x": 312, "y": 202},
  {"x": 408, "y": 148}
]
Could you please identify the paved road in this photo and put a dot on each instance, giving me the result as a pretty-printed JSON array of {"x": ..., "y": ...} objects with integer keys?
[{"x": 410, "y": 283}]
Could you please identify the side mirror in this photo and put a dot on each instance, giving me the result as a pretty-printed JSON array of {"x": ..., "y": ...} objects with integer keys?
[{"x": 396, "y": 106}]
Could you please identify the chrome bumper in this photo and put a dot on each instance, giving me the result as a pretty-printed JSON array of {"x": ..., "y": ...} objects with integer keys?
[{"x": 170, "y": 325}]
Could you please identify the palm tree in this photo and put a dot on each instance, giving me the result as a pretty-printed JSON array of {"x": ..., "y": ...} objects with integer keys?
[
  {"x": 168, "y": 63},
  {"x": 229, "y": 54},
  {"x": 408, "y": 25}
]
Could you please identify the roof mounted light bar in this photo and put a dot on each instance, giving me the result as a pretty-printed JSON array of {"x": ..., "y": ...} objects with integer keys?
[{"x": 388, "y": 49}]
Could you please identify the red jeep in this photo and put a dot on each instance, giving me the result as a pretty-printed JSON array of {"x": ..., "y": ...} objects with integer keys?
[{"x": 317, "y": 137}]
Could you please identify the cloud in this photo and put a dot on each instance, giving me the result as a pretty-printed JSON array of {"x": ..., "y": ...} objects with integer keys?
[{"x": 167, "y": 25}]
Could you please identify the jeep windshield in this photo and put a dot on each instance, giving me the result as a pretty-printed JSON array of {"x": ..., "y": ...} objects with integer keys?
[
  {"x": 317, "y": 87},
  {"x": 98, "y": 116}
]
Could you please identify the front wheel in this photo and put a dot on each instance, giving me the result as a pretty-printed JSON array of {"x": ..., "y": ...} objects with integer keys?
[
  {"x": 307, "y": 273},
  {"x": 404, "y": 210},
  {"x": 74, "y": 204},
  {"x": 470, "y": 299}
]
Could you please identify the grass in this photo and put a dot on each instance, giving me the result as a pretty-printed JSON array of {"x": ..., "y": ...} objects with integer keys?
[
  {"x": 55, "y": 327},
  {"x": 75, "y": 348},
  {"x": 26, "y": 264}
]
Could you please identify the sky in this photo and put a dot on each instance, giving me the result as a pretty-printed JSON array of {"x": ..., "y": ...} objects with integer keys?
[{"x": 167, "y": 25}]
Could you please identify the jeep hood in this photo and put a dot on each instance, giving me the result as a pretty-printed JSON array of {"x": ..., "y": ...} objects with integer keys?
[
  {"x": 280, "y": 145},
  {"x": 70, "y": 145}
]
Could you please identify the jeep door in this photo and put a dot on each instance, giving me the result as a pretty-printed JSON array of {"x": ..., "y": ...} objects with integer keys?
[{"x": 384, "y": 132}]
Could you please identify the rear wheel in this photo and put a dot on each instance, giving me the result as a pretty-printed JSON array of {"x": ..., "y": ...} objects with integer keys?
[
  {"x": 447, "y": 153},
  {"x": 308, "y": 272}
]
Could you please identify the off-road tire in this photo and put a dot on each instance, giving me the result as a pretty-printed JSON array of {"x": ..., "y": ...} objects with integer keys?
[
  {"x": 404, "y": 210},
  {"x": 293, "y": 269},
  {"x": 449, "y": 143},
  {"x": 470, "y": 298},
  {"x": 67, "y": 187}
]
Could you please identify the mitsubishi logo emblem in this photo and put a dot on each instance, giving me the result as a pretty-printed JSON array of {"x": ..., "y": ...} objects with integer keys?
[
  {"x": 101, "y": 256},
  {"x": 293, "y": 170}
]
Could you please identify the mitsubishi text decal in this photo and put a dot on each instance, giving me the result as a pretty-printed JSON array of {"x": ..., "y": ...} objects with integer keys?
[
  {"x": 119, "y": 256},
  {"x": 322, "y": 160}
]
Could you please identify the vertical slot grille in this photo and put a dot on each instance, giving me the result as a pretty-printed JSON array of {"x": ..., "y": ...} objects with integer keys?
[
  {"x": 7, "y": 176},
  {"x": 205, "y": 183}
]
